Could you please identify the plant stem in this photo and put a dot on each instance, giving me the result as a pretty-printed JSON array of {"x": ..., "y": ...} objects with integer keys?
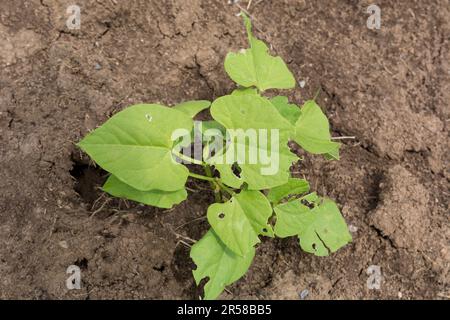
[
  {"x": 186, "y": 158},
  {"x": 317, "y": 93},
  {"x": 214, "y": 185},
  {"x": 218, "y": 182},
  {"x": 199, "y": 176},
  {"x": 208, "y": 170},
  {"x": 225, "y": 188}
]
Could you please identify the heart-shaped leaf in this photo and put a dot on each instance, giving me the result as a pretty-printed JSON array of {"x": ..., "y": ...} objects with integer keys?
[
  {"x": 312, "y": 131},
  {"x": 321, "y": 230},
  {"x": 218, "y": 263},
  {"x": 294, "y": 186},
  {"x": 257, "y": 140},
  {"x": 135, "y": 146},
  {"x": 256, "y": 67},
  {"x": 240, "y": 221}
]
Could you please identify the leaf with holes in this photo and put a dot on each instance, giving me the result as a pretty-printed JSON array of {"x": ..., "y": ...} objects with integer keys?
[
  {"x": 276, "y": 172},
  {"x": 156, "y": 198},
  {"x": 218, "y": 263},
  {"x": 265, "y": 173},
  {"x": 228, "y": 176},
  {"x": 321, "y": 230},
  {"x": 257, "y": 141},
  {"x": 311, "y": 198},
  {"x": 135, "y": 146},
  {"x": 240, "y": 221},
  {"x": 256, "y": 67},
  {"x": 294, "y": 186}
]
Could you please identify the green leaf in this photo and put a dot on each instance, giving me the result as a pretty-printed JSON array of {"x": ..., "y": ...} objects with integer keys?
[
  {"x": 191, "y": 108},
  {"x": 212, "y": 124},
  {"x": 311, "y": 198},
  {"x": 218, "y": 263},
  {"x": 135, "y": 146},
  {"x": 240, "y": 221},
  {"x": 202, "y": 130},
  {"x": 321, "y": 230},
  {"x": 214, "y": 135},
  {"x": 312, "y": 131},
  {"x": 292, "y": 216},
  {"x": 228, "y": 177},
  {"x": 333, "y": 154},
  {"x": 156, "y": 198},
  {"x": 245, "y": 91},
  {"x": 256, "y": 67},
  {"x": 290, "y": 112},
  {"x": 248, "y": 111},
  {"x": 258, "y": 175},
  {"x": 293, "y": 187},
  {"x": 248, "y": 119},
  {"x": 257, "y": 209},
  {"x": 252, "y": 173}
]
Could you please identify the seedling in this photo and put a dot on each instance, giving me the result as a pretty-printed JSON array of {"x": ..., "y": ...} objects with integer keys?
[{"x": 143, "y": 147}]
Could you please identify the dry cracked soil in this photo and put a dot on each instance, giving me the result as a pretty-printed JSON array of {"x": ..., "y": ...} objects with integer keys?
[{"x": 387, "y": 88}]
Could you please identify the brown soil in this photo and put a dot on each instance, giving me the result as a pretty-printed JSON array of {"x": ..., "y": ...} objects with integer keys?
[{"x": 390, "y": 88}]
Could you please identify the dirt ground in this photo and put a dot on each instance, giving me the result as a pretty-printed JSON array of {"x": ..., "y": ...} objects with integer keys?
[{"x": 389, "y": 88}]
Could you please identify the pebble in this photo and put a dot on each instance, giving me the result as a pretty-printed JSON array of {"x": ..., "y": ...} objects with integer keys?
[{"x": 63, "y": 244}]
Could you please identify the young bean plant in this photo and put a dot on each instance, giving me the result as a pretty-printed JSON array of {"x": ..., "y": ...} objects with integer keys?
[{"x": 245, "y": 157}]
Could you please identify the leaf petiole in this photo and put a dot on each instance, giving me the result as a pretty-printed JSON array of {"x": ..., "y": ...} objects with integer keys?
[
  {"x": 186, "y": 158},
  {"x": 201, "y": 177},
  {"x": 214, "y": 181},
  {"x": 225, "y": 188},
  {"x": 214, "y": 186}
]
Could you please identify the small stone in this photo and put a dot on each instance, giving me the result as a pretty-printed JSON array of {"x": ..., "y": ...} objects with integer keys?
[
  {"x": 302, "y": 83},
  {"x": 98, "y": 66},
  {"x": 63, "y": 244},
  {"x": 352, "y": 228},
  {"x": 129, "y": 217}
]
